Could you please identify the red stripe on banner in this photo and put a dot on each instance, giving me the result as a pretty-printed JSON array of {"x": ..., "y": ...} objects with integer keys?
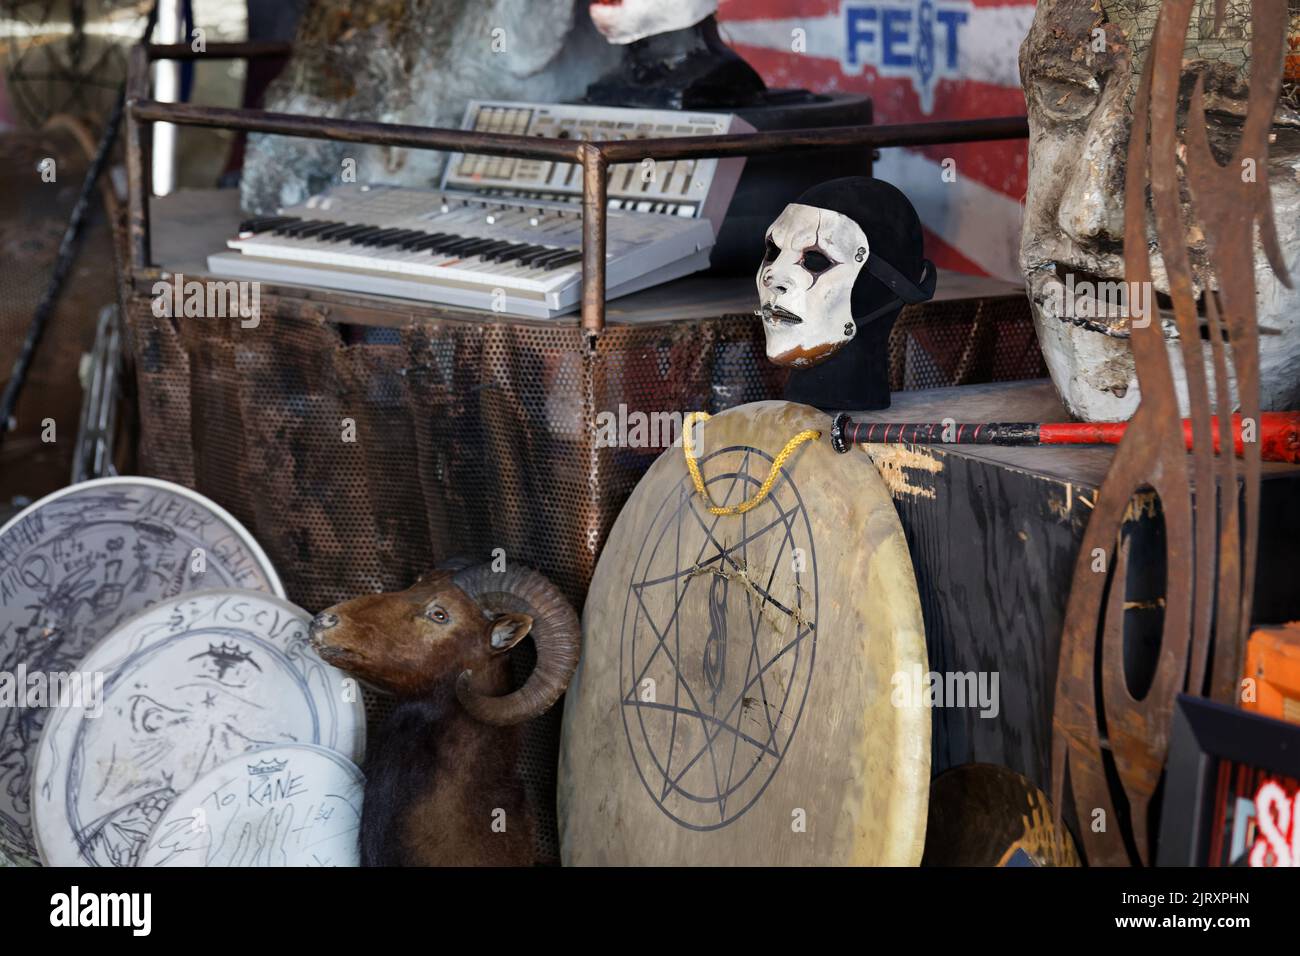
[
  {"x": 946, "y": 256},
  {"x": 896, "y": 100},
  {"x": 775, "y": 9},
  {"x": 1000, "y": 165}
]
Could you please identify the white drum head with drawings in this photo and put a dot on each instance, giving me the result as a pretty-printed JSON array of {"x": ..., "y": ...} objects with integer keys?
[
  {"x": 283, "y": 806},
  {"x": 187, "y": 685},
  {"x": 76, "y": 564},
  {"x": 733, "y": 702}
]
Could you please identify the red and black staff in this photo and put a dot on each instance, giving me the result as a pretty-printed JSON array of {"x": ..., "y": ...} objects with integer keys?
[{"x": 1278, "y": 434}]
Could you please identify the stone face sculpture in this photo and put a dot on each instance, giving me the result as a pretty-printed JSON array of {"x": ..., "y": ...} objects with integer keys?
[
  {"x": 417, "y": 62},
  {"x": 1080, "y": 66}
]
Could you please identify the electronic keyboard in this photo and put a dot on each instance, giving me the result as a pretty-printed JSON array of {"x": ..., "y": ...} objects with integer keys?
[
  {"x": 692, "y": 188},
  {"x": 503, "y": 235}
]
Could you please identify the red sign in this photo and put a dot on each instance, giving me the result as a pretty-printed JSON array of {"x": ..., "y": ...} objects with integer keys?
[{"x": 1277, "y": 826}]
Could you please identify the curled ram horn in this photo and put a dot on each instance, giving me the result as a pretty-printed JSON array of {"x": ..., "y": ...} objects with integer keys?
[{"x": 556, "y": 633}]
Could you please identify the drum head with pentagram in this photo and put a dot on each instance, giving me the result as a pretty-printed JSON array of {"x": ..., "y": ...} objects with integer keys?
[{"x": 734, "y": 703}]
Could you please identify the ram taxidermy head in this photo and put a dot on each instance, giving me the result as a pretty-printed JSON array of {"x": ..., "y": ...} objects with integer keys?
[{"x": 452, "y": 624}]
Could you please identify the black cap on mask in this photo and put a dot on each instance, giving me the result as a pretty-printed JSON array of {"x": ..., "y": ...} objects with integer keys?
[{"x": 896, "y": 271}]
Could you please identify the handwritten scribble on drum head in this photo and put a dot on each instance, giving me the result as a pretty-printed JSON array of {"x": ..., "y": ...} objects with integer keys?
[
  {"x": 189, "y": 684},
  {"x": 75, "y": 565},
  {"x": 281, "y": 806}
]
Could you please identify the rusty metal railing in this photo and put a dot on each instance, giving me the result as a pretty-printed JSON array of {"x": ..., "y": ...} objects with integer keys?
[{"x": 594, "y": 157}]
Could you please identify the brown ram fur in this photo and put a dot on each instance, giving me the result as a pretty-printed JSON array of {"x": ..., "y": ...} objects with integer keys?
[{"x": 438, "y": 775}]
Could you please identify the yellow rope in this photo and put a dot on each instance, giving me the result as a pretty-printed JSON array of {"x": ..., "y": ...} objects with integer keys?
[{"x": 693, "y": 466}]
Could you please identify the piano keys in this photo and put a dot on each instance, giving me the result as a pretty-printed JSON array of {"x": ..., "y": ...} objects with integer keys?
[
  {"x": 502, "y": 234},
  {"x": 519, "y": 257}
]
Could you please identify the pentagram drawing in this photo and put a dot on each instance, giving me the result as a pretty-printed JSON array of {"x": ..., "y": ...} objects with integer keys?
[{"x": 718, "y": 641}]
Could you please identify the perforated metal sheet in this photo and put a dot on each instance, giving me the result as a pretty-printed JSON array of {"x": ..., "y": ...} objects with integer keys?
[
  {"x": 964, "y": 342},
  {"x": 468, "y": 435}
]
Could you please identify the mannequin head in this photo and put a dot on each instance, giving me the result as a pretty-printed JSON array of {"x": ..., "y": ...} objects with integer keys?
[{"x": 839, "y": 264}]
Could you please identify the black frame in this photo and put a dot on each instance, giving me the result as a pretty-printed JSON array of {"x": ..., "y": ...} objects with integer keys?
[{"x": 1203, "y": 733}]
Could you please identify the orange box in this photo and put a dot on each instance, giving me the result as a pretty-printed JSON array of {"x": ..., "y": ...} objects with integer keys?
[{"x": 1273, "y": 661}]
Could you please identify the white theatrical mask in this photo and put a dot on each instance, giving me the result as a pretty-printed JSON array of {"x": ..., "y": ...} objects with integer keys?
[
  {"x": 805, "y": 284},
  {"x": 626, "y": 21}
]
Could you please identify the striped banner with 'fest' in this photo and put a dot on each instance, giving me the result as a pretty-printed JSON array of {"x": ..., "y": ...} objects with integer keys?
[{"x": 918, "y": 60}]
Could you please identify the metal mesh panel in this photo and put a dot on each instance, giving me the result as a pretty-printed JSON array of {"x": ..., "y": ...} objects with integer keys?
[
  {"x": 964, "y": 342},
  {"x": 468, "y": 437},
  {"x": 358, "y": 466}
]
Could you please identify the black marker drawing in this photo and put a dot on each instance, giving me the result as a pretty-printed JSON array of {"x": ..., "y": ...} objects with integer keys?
[
  {"x": 77, "y": 564},
  {"x": 284, "y": 806},
  {"x": 185, "y": 691},
  {"x": 711, "y": 702}
]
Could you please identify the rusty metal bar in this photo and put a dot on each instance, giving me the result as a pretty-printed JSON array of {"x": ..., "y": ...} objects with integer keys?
[
  {"x": 500, "y": 144},
  {"x": 775, "y": 141},
  {"x": 218, "y": 51},
  {"x": 595, "y": 173},
  {"x": 594, "y": 157},
  {"x": 357, "y": 131},
  {"x": 138, "y": 152}
]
